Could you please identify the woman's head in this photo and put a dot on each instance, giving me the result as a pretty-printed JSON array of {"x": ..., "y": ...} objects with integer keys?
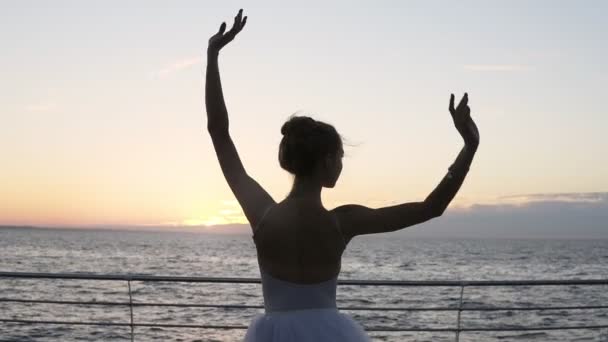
[{"x": 311, "y": 148}]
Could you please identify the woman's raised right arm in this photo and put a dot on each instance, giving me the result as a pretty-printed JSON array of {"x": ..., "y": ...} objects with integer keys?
[{"x": 357, "y": 219}]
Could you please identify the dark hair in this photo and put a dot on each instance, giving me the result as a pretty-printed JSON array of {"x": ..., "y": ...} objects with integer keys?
[{"x": 306, "y": 141}]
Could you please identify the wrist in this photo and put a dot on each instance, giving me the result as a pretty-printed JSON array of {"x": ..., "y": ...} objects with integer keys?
[
  {"x": 212, "y": 53},
  {"x": 472, "y": 147}
]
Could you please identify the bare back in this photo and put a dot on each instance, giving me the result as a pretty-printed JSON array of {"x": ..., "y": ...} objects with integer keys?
[{"x": 299, "y": 242}]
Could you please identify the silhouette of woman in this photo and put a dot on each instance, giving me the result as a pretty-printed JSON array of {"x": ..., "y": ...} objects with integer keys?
[{"x": 300, "y": 243}]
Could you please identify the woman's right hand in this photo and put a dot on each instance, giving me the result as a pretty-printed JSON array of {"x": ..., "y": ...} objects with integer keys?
[
  {"x": 221, "y": 38},
  {"x": 463, "y": 121}
]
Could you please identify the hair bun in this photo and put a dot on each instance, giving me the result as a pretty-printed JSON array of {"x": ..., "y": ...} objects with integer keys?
[
  {"x": 305, "y": 142},
  {"x": 298, "y": 125}
]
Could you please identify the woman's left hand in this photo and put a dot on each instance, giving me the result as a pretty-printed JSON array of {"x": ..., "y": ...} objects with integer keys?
[
  {"x": 220, "y": 39},
  {"x": 463, "y": 121}
]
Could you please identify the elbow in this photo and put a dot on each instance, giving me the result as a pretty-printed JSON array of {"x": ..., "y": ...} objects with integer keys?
[
  {"x": 217, "y": 130},
  {"x": 435, "y": 210},
  {"x": 436, "y": 213}
]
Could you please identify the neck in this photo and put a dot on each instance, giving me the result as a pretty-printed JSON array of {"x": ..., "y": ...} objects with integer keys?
[{"x": 306, "y": 188}]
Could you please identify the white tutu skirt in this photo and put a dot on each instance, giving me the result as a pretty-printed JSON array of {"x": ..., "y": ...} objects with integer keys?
[{"x": 314, "y": 325}]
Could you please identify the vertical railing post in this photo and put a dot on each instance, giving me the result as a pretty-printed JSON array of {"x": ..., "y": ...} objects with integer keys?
[
  {"x": 459, "y": 311},
  {"x": 131, "y": 308}
]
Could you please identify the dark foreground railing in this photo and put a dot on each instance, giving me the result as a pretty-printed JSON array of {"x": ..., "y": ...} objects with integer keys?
[{"x": 456, "y": 330}]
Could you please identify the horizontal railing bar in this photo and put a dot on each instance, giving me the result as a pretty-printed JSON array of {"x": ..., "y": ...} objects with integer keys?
[
  {"x": 128, "y": 277},
  {"x": 196, "y": 326},
  {"x": 571, "y": 327},
  {"x": 69, "y": 302},
  {"x": 347, "y": 308},
  {"x": 199, "y": 326},
  {"x": 533, "y": 308},
  {"x": 151, "y": 278},
  {"x": 118, "y": 324},
  {"x": 454, "y": 283},
  {"x": 27, "y": 321},
  {"x": 379, "y": 329}
]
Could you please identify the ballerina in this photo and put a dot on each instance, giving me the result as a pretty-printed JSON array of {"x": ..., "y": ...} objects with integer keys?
[{"x": 299, "y": 243}]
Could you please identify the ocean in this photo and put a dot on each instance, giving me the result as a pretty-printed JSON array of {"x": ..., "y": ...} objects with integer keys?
[{"x": 382, "y": 257}]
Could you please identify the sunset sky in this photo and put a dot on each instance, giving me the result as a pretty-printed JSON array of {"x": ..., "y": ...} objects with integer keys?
[{"x": 103, "y": 119}]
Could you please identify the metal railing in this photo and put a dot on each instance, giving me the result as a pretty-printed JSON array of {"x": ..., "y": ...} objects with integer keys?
[{"x": 456, "y": 330}]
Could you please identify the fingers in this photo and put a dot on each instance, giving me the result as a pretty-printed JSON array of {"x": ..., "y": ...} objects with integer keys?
[
  {"x": 464, "y": 101},
  {"x": 244, "y": 22},
  {"x": 238, "y": 24},
  {"x": 237, "y": 20},
  {"x": 452, "y": 110},
  {"x": 463, "y": 110},
  {"x": 222, "y": 28}
]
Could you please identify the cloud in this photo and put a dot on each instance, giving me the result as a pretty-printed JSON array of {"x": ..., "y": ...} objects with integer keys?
[
  {"x": 498, "y": 67},
  {"x": 230, "y": 211},
  {"x": 524, "y": 216},
  {"x": 40, "y": 107},
  {"x": 551, "y": 215},
  {"x": 178, "y": 66},
  {"x": 231, "y": 203},
  {"x": 572, "y": 197}
]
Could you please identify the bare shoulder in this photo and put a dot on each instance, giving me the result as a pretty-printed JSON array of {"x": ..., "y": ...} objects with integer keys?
[{"x": 352, "y": 216}]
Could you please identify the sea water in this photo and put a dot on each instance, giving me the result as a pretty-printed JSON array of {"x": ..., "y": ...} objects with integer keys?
[{"x": 390, "y": 256}]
